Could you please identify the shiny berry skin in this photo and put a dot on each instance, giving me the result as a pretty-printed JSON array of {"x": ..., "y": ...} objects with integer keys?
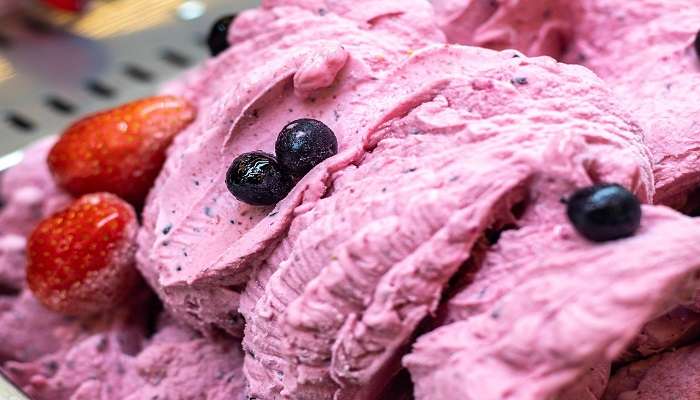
[
  {"x": 303, "y": 144},
  {"x": 697, "y": 44},
  {"x": 80, "y": 261},
  {"x": 256, "y": 179},
  {"x": 218, "y": 36},
  {"x": 604, "y": 212},
  {"x": 121, "y": 150}
]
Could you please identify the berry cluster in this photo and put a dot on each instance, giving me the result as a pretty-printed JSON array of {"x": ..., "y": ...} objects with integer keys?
[{"x": 261, "y": 179}]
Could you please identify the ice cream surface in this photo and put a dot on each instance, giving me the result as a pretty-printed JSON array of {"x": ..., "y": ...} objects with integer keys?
[
  {"x": 175, "y": 363},
  {"x": 672, "y": 375},
  {"x": 199, "y": 246},
  {"x": 536, "y": 341},
  {"x": 432, "y": 257},
  {"x": 643, "y": 49},
  {"x": 439, "y": 145}
]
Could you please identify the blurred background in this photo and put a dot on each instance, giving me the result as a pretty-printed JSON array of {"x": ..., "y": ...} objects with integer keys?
[{"x": 60, "y": 59}]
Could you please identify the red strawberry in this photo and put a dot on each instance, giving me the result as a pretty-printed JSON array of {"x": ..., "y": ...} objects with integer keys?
[
  {"x": 67, "y": 5},
  {"x": 121, "y": 150},
  {"x": 80, "y": 261}
]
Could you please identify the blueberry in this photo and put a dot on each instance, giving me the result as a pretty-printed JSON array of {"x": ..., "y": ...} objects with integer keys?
[
  {"x": 604, "y": 212},
  {"x": 256, "y": 179},
  {"x": 697, "y": 43},
  {"x": 218, "y": 36},
  {"x": 303, "y": 144}
]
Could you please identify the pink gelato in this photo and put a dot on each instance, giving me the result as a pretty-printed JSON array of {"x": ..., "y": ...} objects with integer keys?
[
  {"x": 642, "y": 48},
  {"x": 337, "y": 292},
  {"x": 432, "y": 257},
  {"x": 678, "y": 327},
  {"x": 53, "y": 357},
  {"x": 537, "y": 27},
  {"x": 315, "y": 329},
  {"x": 199, "y": 246},
  {"x": 530, "y": 324},
  {"x": 349, "y": 287},
  {"x": 670, "y": 376},
  {"x": 176, "y": 363}
]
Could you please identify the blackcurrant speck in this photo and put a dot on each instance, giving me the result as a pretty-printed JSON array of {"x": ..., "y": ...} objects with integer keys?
[
  {"x": 303, "y": 144},
  {"x": 256, "y": 179},
  {"x": 218, "y": 36},
  {"x": 167, "y": 229},
  {"x": 604, "y": 212},
  {"x": 697, "y": 43}
]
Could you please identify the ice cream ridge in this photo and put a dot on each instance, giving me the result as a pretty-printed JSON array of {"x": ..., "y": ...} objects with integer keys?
[{"x": 474, "y": 200}]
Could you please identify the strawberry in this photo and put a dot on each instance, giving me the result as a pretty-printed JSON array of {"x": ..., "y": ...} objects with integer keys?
[
  {"x": 121, "y": 150},
  {"x": 80, "y": 261},
  {"x": 67, "y": 5}
]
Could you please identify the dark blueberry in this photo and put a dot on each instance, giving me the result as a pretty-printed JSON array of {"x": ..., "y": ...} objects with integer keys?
[
  {"x": 604, "y": 212},
  {"x": 697, "y": 43},
  {"x": 218, "y": 36},
  {"x": 256, "y": 178},
  {"x": 303, "y": 144}
]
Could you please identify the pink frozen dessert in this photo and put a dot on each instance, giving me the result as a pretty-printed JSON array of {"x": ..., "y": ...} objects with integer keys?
[
  {"x": 646, "y": 50},
  {"x": 438, "y": 147},
  {"x": 355, "y": 205},
  {"x": 125, "y": 354}
]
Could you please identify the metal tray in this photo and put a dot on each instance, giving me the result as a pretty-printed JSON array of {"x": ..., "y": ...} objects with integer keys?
[{"x": 55, "y": 67}]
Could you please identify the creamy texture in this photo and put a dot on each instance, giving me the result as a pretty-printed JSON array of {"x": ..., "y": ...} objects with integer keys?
[
  {"x": 538, "y": 27},
  {"x": 590, "y": 386},
  {"x": 176, "y": 364},
  {"x": 642, "y": 48},
  {"x": 385, "y": 256},
  {"x": 28, "y": 193},
  {"x": 346, "y": 268},
  {"x": 530, "y": 325},
  {"x": 316, "y": 329},
  {"x": 669, "y": 376},
  {"x": 678, "y": 327},
  {"x": 358, "y": 272},
  {"x": 107, "y": 357},
  {"x": 199, "y": 244}
]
